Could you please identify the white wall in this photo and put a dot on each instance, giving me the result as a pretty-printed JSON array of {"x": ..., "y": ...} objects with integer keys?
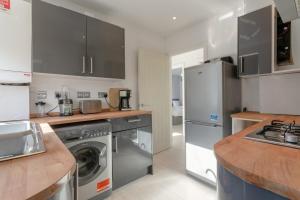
[
  {"x": 188, "y": 59},
  {"x": 252, "y": 5},
  {"x": 275, "y": 93},
  {"x": 218, "y": 37},
  {"x": 135, "y": 38}
]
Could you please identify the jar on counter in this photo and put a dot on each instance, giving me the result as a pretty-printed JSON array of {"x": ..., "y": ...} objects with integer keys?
[{"x": 41, "y": 109}]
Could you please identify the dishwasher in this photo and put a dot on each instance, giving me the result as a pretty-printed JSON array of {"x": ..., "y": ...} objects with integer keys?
[{"x": 132, "y": 149}]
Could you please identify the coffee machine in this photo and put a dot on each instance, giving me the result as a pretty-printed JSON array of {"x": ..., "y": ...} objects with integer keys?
[
  {"x": 65, "y": 102},
  {"x": 124, "y": 97}
]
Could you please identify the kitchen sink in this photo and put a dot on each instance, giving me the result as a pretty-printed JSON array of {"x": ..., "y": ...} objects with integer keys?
[
  {"x": 19, "y": 139},
  {"x": 17, "y": 129}
]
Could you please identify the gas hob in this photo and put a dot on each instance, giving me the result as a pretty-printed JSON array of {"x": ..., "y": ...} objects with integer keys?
[{"x": 278, "y": 133}]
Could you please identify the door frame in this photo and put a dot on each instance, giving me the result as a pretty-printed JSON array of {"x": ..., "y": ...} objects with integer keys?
[{"x": 203, "y": 46}]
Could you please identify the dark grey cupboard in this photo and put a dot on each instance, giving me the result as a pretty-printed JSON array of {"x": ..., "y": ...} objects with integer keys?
[
  {"x": 105, "y": 49},
  {"x": 58, "y": 39},
  {"x": 255, "y": 46},
  {"x": 69, "y": 43},
  {"x": 131, "y": 149}
]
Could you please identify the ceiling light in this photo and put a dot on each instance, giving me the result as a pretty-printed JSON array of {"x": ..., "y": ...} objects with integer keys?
[{"x": 174, "y": 18}]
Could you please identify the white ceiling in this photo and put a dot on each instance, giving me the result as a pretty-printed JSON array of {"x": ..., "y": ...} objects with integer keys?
[{"x": 156, "y": 15}]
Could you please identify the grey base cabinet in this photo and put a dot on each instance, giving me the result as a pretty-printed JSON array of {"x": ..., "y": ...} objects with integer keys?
[
  {"x": 132, "y": 149},
  {"x": 231, "y": 187}
]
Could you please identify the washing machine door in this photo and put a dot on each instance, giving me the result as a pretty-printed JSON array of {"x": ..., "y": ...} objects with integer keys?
[{"x": 91, "y": 158}]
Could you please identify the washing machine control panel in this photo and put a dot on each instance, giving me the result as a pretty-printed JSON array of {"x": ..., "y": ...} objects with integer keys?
[
  {"x": 94, "y": 133},
  {"x": 83, "y": 132}
]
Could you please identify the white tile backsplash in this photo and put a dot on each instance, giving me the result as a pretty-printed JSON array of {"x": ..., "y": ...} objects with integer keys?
[{"x": 280, "y": 94}]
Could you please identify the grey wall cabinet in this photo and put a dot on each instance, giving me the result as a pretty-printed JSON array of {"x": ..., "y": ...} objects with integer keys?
[
  {"x": 255, "y": 42},
  {"x": 105, "y": 49},
  {"x": 58, "y": 39},
  {"x": 69, "y": 43}
]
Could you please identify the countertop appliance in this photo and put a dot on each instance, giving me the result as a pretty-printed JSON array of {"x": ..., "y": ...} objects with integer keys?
[
  {"x": 90, "y": 143},
  {"x": 20, "y": 139},
  {"x": 90, "y": 106},
  {"x": 212, "y": 93},
  {"x": 119, "y": 99},
  {"x": 65, "y": 103},
  {"x": 65, "y": 107},
  {"x": 15, "y": 61},
  {"x": 132, "y": 149},
  {"x": 124, "y": 99},
  {"x": 278, "y": 133}
]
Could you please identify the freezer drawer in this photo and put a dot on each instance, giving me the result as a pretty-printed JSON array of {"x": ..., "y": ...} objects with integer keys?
[
  {"x": 132, "y": 155},
  {"x": 200, "y": 158},
  {"x": 203, "y": 135}
]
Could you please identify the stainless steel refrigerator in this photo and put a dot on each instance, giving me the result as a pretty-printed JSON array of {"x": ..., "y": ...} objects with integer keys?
[{"x": 212, "y": 94}]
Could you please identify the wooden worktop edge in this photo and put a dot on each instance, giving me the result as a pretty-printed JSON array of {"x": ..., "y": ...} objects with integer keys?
[
  {"x": 280, "y": 188},
  {"x": 259, "y": 181},
  {"x": 55, "y": 186},
  {"x": 90, "y": 117}
]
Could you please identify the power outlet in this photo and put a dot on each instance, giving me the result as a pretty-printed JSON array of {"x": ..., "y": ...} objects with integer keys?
[
  {"x": 87, "y": 94},
  {"x": 102, "y": 94},
  {"x": 41, "y": 95},
  {"x": 83, "y": 94}
]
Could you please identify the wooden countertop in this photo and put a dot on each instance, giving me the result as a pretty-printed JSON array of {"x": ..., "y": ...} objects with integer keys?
[
  {"x": 89, "y": 117},
  {"x": 272, "y": 167},
  {"x": 37, "y": 176},
  {"x": 252, "y": 116}
]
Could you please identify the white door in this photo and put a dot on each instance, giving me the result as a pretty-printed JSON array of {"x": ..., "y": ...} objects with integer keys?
[{"x": 154, "y": 79}]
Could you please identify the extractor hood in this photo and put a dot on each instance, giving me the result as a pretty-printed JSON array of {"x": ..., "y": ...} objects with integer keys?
[{"x": 288, "y": 9}]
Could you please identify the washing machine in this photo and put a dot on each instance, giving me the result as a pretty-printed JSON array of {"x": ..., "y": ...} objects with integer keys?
[{"x": 90, "y": 143}]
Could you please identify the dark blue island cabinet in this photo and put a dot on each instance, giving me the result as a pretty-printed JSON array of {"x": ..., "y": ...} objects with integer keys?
[{"x": 231, "y": 187}]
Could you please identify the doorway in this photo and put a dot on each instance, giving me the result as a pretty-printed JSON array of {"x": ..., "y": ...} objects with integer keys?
[{"x": 179, "y": 62}]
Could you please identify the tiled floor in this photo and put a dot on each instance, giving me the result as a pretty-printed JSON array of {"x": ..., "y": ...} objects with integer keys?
[{"x": 169, "y": 181}]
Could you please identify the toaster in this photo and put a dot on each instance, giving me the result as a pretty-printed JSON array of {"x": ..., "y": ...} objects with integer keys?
[{"x": 90, "y": 106}]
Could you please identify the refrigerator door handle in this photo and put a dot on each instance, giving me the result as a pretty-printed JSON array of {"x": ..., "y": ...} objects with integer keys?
[{"x": 203, "y": 124}]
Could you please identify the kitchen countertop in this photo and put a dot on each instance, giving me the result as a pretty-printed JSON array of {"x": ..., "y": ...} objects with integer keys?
[
  {"x": 251, "y": 116},
  {"x": 272, "y": 167},
  {"x": 38, "y": 176},
  {"x": 89, "y": 117}
]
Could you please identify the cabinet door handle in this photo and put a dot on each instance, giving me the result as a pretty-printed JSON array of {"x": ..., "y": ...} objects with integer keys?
[
  {"x": 92, "y": 65},
  {"x": 76, "y": 183},
  {"x": 212, "y": 172},
  {"x": 83, "y": 65},
  {"x": 242, "y": 64},
  {"x": 115, "y": 138},
  {"x": 134, "y": 120}
]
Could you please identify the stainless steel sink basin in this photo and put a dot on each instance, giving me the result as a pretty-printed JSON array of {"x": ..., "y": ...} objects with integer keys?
[
  {"x": 14, "y": 129},
  {"x": 18, "y": 139}
]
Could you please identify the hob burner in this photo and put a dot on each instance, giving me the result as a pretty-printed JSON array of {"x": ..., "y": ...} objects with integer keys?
[{"x": 279, "y": 133}]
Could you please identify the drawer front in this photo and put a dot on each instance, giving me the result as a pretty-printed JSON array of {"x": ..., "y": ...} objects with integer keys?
[{"x": 126, "y": 123}]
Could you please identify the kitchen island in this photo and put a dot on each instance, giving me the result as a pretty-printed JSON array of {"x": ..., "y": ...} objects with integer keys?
[
  {"x": 255, "y": 170},
  {"x": 41, "y": 176}
]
